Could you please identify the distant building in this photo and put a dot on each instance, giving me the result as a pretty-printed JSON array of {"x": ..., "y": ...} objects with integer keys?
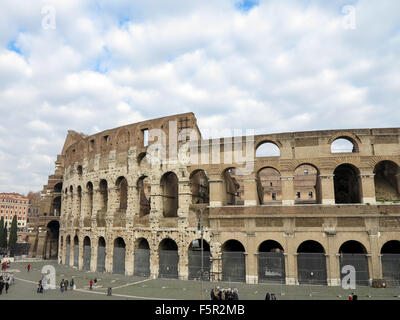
[{"x": 14, "y": 204}]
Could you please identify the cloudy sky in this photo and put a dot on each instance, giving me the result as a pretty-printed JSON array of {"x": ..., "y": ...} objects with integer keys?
[{"x": 272, "y": 66}]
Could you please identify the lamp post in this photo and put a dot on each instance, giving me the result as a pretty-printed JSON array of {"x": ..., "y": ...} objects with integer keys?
[{"x": 200, "y": 231}]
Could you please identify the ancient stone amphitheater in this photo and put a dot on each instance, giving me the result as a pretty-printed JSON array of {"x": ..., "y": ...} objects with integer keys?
[{"x": 314, "y": 202}]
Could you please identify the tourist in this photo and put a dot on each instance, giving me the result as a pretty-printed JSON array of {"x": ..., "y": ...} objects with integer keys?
[
  {"x": 29, "y": 267},
  {"x": 351, "y": 297},
  {"x": 91, "y": 284},
  {"x": 273, "y": 296},
  {"x": 355, "y": 297},
  {"x": 267, "y": 296},
  {"x": 71, "y": 284},
  {"x": 7, "y": 286},
  {"x": 66, "y": 284},
  {"x": 212, "y": 294},
  {"x": 62, "y": 286},
  {"x": 1, "y": 285},
  {"x": 95, "y": 280}
]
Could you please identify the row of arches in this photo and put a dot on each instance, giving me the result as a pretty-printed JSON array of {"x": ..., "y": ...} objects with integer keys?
[{"x": 311, "y": 259}]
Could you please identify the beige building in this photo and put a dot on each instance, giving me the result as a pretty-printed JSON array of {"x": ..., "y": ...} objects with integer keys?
[
  {"x": 298, "y": 217},
  {"x": 14, "y": 204}
]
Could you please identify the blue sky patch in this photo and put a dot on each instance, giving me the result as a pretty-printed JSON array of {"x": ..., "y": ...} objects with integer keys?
[
  {"x": 246, "y": 5},
  {"x": 12, "y": 45}
]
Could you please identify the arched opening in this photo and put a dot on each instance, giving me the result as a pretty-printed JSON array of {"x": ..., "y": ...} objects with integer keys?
[
  {"x": 233, "y": 185},
  {"x": 168, "y": 259},
  {"x": 119, "y": 256},
  {"x": 58, "y": 187},
  {"x": 71, "y": 203},
  {"x": 390, "y": 255},
  {"x": 169, "y": 187},
  {"x": 86, "y": 253},
  {"x": 347, "y": 184},
  {"x": 51, "y": 243},
  {"x": 267, "y": 149},
  {"x": 76, "y": 251},
  {"x": 195, "y": 255},
  {"x": 269, "y": 187},
  {"x": 271, "y": 262},
  {"x": 344, "y": 145},
  {"x": 387, "y": 181},
  {"x": 122, "y": 192},
  {"x": 104, "y": 195},
  {"x": 67, "y": 250},
  {"x": 354, "y": 253},
  {"x": 56, "y": 207},
  {"x": 89, "y": 204},
  {"x": 144, "y": 161},
  {"x": 144, "y": 191},
  {"x": 306, "y": 184},
  {"x": 311, "y": 263},
  {"x": 142, "y": 258},
  {"x": 79, "y": 202},
  {"x": 199, "y": 187},
  {"x": 101, "y": 255},
  {"x": 79, "y": 170},
  {"x": 233, "y": 261}
]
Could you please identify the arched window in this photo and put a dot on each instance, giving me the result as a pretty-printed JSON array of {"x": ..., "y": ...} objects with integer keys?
[
  {"x": 347, "y": 184},
  {"x": 268, "y": 149},
  {"x": 144, "y": 190},
  {"x": 122, "y": 187},
  {"x": 344, "y": 145},
  {"x": 169, "y": 186},
  {"x": 199, "y": 187},
  {"x": 234, "y": 188},
  {"x": 306, "y": 184},
  {"x": 269, "y": 186},
  {"x": 387, "y": 181}
]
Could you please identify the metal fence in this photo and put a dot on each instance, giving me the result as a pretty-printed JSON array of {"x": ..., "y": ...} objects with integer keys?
[
  {"x": 360, "y": 263},
  {"x": 101, "y": 259},
  {"x": 233, "y": 266},
  {"x": 391, "y": 268},
  {"x": 142, "y": 263},
  {"x": 194, "y": 259},
  {"x": 168, "y": 264},
  {"x": 271, "y": 267},
  {"x": 68, "y": 251},
  {"x": 86, "y": 257},
  {"x": 119, "y": 260},
  {"x": 311, "y": 268},
  {"x": 76, "y": 255}
]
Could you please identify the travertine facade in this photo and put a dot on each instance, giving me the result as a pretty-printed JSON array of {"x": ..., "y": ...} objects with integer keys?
[{"x": 114, "y": 203}]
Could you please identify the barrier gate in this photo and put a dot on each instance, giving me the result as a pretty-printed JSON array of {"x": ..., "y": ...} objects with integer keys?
[
  {"x": 142, "y": 263},
  {"x": 233, "y": 266},
  {"x": 168, "y": 264}
]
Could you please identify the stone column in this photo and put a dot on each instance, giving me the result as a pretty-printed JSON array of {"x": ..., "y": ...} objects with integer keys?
[
  {"x": 96, "y": 205},
  {"x": 216, "y": 265},
  {"x": 129, "y": 252},
  {"x": 80, "y": 257},
  {"x": 250, "y": 191},
  {"x": 251, "y": 260},
  {"x": 333, "y": 264},
  {"x": 84, "y": 208},
  {"x": 287, "y": 190},
  {"x": 133, "y": 206},
  {"x": 183, "y": 265},
  {"x": 290, "y": 259},
  {"x": 216, "y": 191},
  {"x": 109, "y": 254},
  {"x": 156, "y": 211},
  {"x": 367, "y": 188},
  {"x": 113, "y": 206},
  {"x": 154, "y": 263},
  {"x": 327, "y": 192},
  {"x": 374, "y": 261}
]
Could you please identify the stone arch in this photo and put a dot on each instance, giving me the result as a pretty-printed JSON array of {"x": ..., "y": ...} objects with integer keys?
[
  {"x": 269, "y": 187},
  {"x": 271, "y": 262},
  {"x": 58, "y": 187},
  {"x": 142, "y": 258},
  {"x": 89, "y": 202},
  {"x": 101, "y": 254},
  {"x": 267, "y": 148},
  {"x": 344, "y": 142},
  {"x": 79, "y": 170},
  {"x": 56, "y": 207},
  {"x": 233, "y": 187},
  {"x": 103, "y": 186},
  {"x": 199, "y": 186},
  {"x": 144, "y": 161},
  {"x": 144, "y": 192},
  {"x": 168, "y": 259},
  {"x": 170, "y": 194},
  {"x": 390, "y": 258},
  {"x": 306, "y": 184},
  {"x": 122, "y": 192},
  {"x": 233, "y": 261},
  {"x": 311, "y": 263},
  {"x": 79, "y": 195},
  {"x": 67, "y": 249},
  {"x": 86, "y": 253},
  {"x": 347, "y": 184},
  {"x": 387, "y": 181},
  {"x": 354, "y": 253},
  {"x": 51, "y": 242},
  {"x": 195, "y": 261},
  {"x": 119, "y": 256}
]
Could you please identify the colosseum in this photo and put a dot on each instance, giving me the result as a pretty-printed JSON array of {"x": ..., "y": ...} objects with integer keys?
[{"x": 303, "y": 211}]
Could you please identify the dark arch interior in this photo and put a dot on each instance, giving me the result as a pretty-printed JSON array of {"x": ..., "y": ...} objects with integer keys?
[
  {"x": 233, "y": 245},
  {"x": 169, "y": 183},
  {"x": 102, "y": 242},
  {"x": 68, "y": 240},
  {"x": 270, "y": 246},
  {"x": 310, "y": 246},
  {"x": 391, "y": 247},
  {"x": 387, "y": 186},
  {"x": 168, "y": 244},
  {"x": 269, "y": 189},
  {"x": 199, "y": 187},
  {"x": 104, "y": 193},
  {"x": 144, "y": 190},
  {"x": 119, "y": 243},
  {"x": 122, "y": 186},
  {"x": 86, "y": 241},
  {"x": 352, "y": 246},
  {"x": 195, "y": 245},
  {"x": 76, "y": 240},
  {"x": 142, "y": 243},
  {"x": 347, "y": 185},
  {"x": 58, "y": 187},
  {"x": 233, "y": 187},
  {"x": 79, "y": 170},
  {"x": 56, "y": 206}
]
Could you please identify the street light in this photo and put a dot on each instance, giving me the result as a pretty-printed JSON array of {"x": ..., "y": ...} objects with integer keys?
[{"x": 200, "y": 231}]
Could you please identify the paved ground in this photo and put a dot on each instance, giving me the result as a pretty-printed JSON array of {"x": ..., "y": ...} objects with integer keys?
[{"x": 129, "y": 287}]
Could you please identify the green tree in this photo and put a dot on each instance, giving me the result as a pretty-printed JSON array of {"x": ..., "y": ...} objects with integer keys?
[
  {"x": 12, "y": 242},
  {"x": 5, "y": 236},
  {"x": 2, "y": 232}
]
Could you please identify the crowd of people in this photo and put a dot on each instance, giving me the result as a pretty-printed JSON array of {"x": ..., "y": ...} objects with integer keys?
[
  {"x": 224, "y": 294},
  {"x": 270, "y": 296},
  {"x": 6, "y": 280},
  {"x": 64, "y": 284}
]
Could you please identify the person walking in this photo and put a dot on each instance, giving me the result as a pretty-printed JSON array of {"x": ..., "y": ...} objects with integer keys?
[
  {"x": 29, "y": 267},
  {"x": 1, "y": 285},
  {"x": 62, "y": 286},
  {"x": 38, "y": 287},
  {"x": 273, "y": 296},
  {"x": 91, "y": 284},
  {"x": 7, "y": 286},
  {"x": 71, "y": 284},
  {"x": 66, "y": 284},
  {"x": 267, "y": 296}
]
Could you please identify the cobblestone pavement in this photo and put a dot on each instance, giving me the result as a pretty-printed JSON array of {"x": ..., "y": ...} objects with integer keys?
[{"x": 129, "y": 287}]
